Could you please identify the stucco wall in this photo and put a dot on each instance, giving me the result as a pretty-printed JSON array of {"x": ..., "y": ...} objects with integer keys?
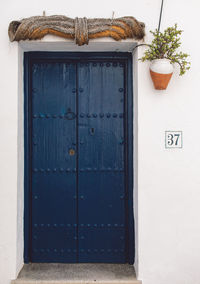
[{"x": 168, "y": 196}]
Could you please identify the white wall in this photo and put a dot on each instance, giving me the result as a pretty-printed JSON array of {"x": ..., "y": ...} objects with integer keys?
[{"x": 168, "y": 180}]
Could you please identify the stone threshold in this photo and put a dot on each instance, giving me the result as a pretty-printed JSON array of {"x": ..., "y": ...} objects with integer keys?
[{"x": 76, "y": 273}]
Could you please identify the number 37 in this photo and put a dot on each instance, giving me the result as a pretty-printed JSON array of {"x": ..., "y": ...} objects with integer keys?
[{"x": 173, "y": 139}]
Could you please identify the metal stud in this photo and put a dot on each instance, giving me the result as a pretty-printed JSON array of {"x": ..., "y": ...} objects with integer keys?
[
  {"x": 108, "y": 115},
  {"x": 80, "y": 90},
  {"x": 121, "y": 115},
  {"x": 115, "y": 64},
  {"x": 88, "y": 115},
  {"x": 94, "y": 115},
  {"x": 94, "y": 64},
  {"x": 74, "y": 90},
  {"x": 101, "y": 64},
  {"x": 107, "y": 64},
  {"x": 101, "y": 115},
  {"x": 82, "y": 115},
  {"x": 35, "y": 116},
  {"x": 121, "y": 90},
  {"x": 114, "y": 114}
]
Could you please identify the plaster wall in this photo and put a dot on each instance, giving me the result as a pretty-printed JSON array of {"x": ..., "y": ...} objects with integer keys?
[{"x": 168, "y": 181}]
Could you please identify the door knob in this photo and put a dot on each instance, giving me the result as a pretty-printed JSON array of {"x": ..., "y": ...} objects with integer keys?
[{"x": 71, "y": 152}]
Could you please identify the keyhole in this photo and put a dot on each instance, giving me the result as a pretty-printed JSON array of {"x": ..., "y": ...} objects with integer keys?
[{"x": 92, "y": 131}]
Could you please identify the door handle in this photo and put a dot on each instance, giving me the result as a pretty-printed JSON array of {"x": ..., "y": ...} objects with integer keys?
[{"x": 70, "y": 115}]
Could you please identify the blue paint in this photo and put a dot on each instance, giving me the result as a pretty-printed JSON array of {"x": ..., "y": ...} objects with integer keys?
[{"x": 78, "y": 158}]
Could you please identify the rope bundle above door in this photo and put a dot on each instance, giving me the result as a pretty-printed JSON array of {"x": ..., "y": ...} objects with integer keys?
[{"x": 79, "y": 29}]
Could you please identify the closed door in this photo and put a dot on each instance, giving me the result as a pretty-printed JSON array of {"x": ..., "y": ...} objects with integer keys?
[{"x": 79, "y": 194}]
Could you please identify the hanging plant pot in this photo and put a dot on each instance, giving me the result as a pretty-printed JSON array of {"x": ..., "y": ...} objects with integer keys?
[{"x": 161, "y": 71}]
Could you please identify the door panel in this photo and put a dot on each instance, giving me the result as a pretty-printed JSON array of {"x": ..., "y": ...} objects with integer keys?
[
  {"x": 54, "y": 226},
  {"x": 101, "y": 162},
  {"x": 79, "y": 199}
]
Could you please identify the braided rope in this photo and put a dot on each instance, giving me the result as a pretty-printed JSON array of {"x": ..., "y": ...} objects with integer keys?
[{"x": 79, "y": 29}]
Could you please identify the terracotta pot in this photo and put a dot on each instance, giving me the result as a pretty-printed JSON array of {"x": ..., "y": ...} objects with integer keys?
[{"x": 161, "y": 71}]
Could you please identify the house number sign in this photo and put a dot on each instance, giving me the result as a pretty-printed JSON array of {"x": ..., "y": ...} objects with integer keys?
[{"x": 173, "y": 139}]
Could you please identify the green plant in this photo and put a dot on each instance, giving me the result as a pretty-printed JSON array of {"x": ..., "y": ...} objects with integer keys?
[{"x": 165, "y": 45}]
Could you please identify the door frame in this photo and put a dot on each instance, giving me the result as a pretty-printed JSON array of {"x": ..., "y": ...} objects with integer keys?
[{"x": 29, "y": 58}]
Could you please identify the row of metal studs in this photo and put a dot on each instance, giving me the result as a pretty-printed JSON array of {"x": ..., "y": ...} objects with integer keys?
[
  {"x": 107, "y": 64},
  {"x": 74, "y": 90},
  {"x": 74, "y": 170},
  {"x": 81, "y": 250},
  {"x": 81, "y": 225},
  {"x": 94, "y": 115}
]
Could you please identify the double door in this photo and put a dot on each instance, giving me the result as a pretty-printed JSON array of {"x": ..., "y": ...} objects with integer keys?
[{"x": 78, "y": 161}]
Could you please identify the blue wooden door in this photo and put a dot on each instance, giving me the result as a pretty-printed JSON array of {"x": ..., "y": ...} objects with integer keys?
[{"x": 78, "y": 152}]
